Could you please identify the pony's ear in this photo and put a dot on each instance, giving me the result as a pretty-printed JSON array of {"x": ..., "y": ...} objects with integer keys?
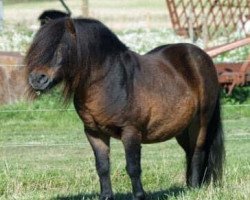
[
  {"x": 70, "y": 27},
  {"x": 46, "y": 20}
]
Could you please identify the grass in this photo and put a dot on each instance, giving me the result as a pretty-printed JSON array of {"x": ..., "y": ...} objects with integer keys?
[
  {"x": 45, "y": 155},
  {"x": 67, "y": 172}
]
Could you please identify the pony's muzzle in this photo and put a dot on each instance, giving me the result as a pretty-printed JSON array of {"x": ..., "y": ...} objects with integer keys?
[{"x": 39, "y": 81}]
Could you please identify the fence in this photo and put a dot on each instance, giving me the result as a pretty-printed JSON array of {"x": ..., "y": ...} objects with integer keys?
[
  {"x": 240, "y": 110},
  {"x": 231, "y": 114},
  {"x": 12, "y": 83},
  {"x": 212, "y": 18}
]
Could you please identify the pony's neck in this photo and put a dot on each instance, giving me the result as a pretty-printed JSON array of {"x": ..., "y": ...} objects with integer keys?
[{"x": 98, "y": 51}]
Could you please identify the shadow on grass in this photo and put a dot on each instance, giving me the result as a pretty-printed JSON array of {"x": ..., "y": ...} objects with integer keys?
[{"x": 158, "y": 195}]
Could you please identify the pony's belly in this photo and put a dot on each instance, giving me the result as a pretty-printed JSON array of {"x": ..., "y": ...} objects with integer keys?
[
  {"x": 159, "y": 135},
  {"x": 165, "y": 127}
]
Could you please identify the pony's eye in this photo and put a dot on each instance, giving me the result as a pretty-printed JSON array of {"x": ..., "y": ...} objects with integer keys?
[{"x": 58, "y": 60}]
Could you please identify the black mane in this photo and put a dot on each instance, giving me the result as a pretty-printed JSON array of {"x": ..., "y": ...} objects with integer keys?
[{"x": 96, "y": 40}]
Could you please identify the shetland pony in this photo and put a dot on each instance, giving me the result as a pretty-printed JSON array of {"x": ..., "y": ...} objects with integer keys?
[{"x": 172, "y": 91}]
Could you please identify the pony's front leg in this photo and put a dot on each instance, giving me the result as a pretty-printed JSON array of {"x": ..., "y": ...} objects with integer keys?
[
  {"x": 100, "y": 145},
  {"x": 132, "y": 143}
]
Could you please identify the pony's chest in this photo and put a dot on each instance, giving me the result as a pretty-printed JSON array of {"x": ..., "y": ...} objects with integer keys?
[
  {"x": 106, "y": 105},
  {"x": 101, "y": 117},
  {"x": 100, "y": 123}
]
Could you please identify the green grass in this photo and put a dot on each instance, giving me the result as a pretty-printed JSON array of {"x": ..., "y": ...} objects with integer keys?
[
  {"x": 45, "y": 155},
  {"x": 67, "y": 172}
]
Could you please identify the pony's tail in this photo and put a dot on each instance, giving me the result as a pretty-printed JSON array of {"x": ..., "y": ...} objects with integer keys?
[{"x": 215, "y": 148}]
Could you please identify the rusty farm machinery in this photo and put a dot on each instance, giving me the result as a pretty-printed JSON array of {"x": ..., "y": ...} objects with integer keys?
[{"x": 210, "y": 19}]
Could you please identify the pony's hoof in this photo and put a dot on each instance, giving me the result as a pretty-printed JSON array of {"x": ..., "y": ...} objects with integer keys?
[
  {"x": 139, "y": 196},
  {"x": 107, "y": 198}
]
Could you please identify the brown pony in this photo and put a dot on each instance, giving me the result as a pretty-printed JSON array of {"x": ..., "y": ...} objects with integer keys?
[{"x": 172, "y": 91}]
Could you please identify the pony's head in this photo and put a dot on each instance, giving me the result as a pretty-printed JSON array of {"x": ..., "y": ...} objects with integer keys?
[
  {"x": 51, "y": 54},
  {"x": 67, "y": 50}
]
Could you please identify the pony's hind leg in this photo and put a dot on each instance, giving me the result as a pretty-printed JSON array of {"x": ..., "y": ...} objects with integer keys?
[
  {"x": 192, "y": 142},
  {"x": 183, "y": 140},
  {"x": 208, "y": 155},
  {"x": 203, "y": 143},
  {"x": 132, "y": 143},
  {"x": 198, "y": 158}
]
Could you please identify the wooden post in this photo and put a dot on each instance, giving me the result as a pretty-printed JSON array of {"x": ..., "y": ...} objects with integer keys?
[
  {"x": 204, "y": 31},
  {"x": 1, "y": 15},
  {"x": 85, "y": 8},
  {"x": 191, "y": 25}
]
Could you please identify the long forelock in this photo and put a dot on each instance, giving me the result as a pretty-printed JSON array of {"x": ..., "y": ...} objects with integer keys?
[{"x": 44, "y": 45}]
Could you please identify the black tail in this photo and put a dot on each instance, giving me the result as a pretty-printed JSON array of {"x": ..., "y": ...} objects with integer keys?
[{"x": 215, "y": 148}]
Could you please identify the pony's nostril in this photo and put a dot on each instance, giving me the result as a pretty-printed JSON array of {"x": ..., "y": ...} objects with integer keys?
[{"x": 42, "y": 78}]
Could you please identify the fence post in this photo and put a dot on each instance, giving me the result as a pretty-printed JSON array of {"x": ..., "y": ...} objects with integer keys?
[
  {"x": 85, "y": 8},
  {"x": 1, "y": 15},
  {"x": 191, "y": 25},
  {"x": 204, "y": 31}
]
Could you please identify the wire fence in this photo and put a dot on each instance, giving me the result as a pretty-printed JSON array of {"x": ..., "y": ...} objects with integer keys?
[
  {"x": 35, "y": 110},
  {"x": 237, "y": 107},
  {"x": 12, "y": 94},
  {"x": 230, "y": 113}
]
